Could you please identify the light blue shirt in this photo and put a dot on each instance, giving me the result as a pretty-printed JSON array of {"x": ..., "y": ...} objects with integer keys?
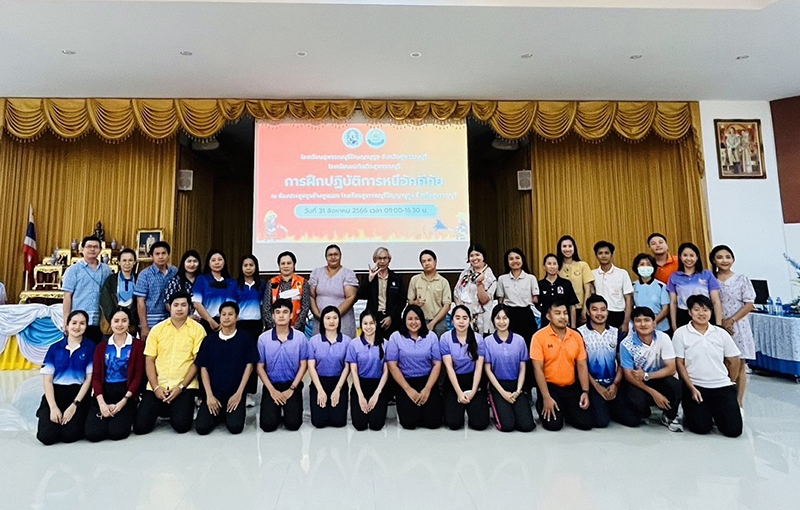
[
  {"x": 633, "y": 353},
  {"x": 84, "y": 283},
  {"x": 653, "y": 295}
]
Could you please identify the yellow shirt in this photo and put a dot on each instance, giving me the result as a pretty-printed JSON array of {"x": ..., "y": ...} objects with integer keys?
[
  {"x": 578, "y": 273},
  {"x": 174, "y": 351}
]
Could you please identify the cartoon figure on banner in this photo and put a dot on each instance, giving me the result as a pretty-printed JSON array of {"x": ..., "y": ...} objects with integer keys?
[
  {"x": 462, "y": 229},
  {"x": 272, "y": 227}
]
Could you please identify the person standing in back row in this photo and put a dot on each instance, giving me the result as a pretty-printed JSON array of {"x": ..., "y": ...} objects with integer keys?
[
  {"x": 82, "y": 284},
  {"x": 431, "y": 292},
  {"x": 577, "y": 272},
  {"x": 150, "y": 288},
  {"x": 666, "y": 264},
  {"x": 614, "y": 284},
  {"x": 384, "y": 292}
]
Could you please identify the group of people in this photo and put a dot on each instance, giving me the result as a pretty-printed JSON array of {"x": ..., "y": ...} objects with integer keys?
[{"x": 593, "y": 345}]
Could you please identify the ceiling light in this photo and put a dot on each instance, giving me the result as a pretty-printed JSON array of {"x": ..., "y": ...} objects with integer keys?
[
  {"x": 526, "y": 55},
  {"x": 416, "y": 54},
  {"x": 302, "y": 53},
  {"x": 186, "y": 53},
  {"x": 635, "y": 57},
  {"x": 742, "y": 57},
  {"x": 67, "y": 52}
]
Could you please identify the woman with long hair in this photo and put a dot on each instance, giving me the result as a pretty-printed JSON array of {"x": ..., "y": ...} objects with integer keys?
[
  {"x": 476, "y": 287},
  {"x": 691, "y": 279},
  {"x": 577, "y": 272},
  {"x": 367, "y": 358},
  {"x": 212, "y": 288},
  {"x": 328, "y": 370}
]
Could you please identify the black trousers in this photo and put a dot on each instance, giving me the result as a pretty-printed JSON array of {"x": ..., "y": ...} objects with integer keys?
[
  {"x": 180, "y": 412},
  {"x": 641, "y": 401},
  {"x": 93, "y": 333},
  {"x": 291, "y": 411},
  {"x": 523, "y": 323},
  {"x": 328, "y": 416},
  {"x": 49, "y": 432},
  {"x": 410, "y": 415},
  {"x": 620, "y": 409},
  {"x": 255, "y": 328},
  {"x": 234, "y": 422},
  {"x": 720, "y": 406},
  {"x": 615, "y": 319},
  {"x": 375, "y": 419},
  {"x": 509, "y": 417},
  {"x": 477, "y": 410},
  {"x": 569, "y": 410},
  {"x": 119, "y": 426}
]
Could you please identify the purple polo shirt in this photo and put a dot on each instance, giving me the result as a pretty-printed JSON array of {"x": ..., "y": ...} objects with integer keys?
[
  {"x": 367, "y": 357},
  {"x": 329, "y": 357},
  {"x": 505, "y": 357},
  {"x": 282, "y": 359},
  {"x": 415, "y": 358},
  {"x": 462, "y": 361},
  {"x": 684, "y": 285}
]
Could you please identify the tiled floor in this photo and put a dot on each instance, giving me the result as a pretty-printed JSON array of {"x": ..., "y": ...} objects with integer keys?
[{"x": 615, "y": 469}]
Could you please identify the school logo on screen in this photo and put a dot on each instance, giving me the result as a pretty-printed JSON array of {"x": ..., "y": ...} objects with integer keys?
[
  {"x": 376, "y": 138},
  {"x": 352, "y": 138}
]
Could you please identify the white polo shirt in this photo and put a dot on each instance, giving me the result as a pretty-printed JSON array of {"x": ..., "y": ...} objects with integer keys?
[
  {"x": 613, "y": 285},
  {"x": 517, "y": 291},
  {"x": 704, "y": 354}
]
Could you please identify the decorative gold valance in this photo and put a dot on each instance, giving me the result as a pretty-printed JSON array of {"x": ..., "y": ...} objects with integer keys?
[{"x": 115, "y": 119}]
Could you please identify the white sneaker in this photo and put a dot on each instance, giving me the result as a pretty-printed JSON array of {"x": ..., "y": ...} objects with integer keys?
[
  {"x": 674, "y": 426},
  {"x": 250, "y": 401}
]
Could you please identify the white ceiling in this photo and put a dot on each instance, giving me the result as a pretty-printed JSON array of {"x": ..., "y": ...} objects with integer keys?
[{"x": 361, "y": 50}]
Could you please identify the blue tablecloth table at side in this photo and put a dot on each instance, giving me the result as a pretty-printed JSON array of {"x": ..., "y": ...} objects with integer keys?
[{"x": 777, "y": 343}]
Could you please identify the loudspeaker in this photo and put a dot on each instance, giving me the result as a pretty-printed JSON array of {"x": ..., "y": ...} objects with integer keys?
[
  {"x": 524, "y": 180},
  {"x": 185, "y": 180}
]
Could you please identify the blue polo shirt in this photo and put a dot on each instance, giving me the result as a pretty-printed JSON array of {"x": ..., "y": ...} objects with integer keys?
[
  {"x": 84, "y": 283},
  {"x": 150, "y": 285},
  {"x": 366, "y": 357},
  {"x": 601, "y": 352},
  {"x": 329, "y": 357},
  {"x": 414, "y": 358},
  {"x": 505, "y": 357},
  {"x": 117, "y": 360},
  {"x": 68, "y": 367},
  {"x": 633, "y": 353},
  {"x": 653, "y": 295},
  {"x": 462, "y": 361},
  {"x": 282, "y": 359},
  {"x": 249, "y": 299},
  {"x": 212, "y": 292},
  {"x": 226, "y": 359},
  {"x": 685, "y": 285}
]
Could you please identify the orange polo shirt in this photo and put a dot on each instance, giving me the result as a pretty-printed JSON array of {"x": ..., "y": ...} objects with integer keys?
[
  {"x": 559, "y": 356},
  {"x": 664, "y": 272}
]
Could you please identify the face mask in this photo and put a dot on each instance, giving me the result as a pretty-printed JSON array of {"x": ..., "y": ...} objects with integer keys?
[{"x": 645, "y": 271}]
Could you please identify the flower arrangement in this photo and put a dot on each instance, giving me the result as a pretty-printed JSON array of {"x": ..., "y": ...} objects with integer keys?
[{"x": 795, "y": 304}]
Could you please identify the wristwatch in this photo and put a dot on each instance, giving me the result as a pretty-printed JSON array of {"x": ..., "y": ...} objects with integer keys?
[
  {"x": 292, "y": 387},
  {"x": 181, "y": 386},
  {"x": 646, "y": 376},
  {"x": 76, "y": 402}
]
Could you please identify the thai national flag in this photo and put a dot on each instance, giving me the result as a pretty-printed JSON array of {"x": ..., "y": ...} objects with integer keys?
[{"x": 29, "y": 246}]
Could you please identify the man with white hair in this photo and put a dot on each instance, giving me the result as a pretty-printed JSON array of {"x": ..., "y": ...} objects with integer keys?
[{"x": 384, "y": 292}]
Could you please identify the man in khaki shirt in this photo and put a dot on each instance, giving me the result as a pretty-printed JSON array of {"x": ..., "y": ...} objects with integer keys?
[{"x": 431, "y": 291}]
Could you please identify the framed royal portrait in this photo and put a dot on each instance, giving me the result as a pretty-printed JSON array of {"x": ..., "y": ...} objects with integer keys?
[
  {"x": 145, "y": 239},
  {"x": 740, "y": 149}
]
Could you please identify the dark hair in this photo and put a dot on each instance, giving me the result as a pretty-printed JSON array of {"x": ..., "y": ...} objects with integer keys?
[
  {"x": 259, "y": 282},
  {"x": 638, "y": 260},
  {"x": 182, "y": 266},
  {"x": 544, "y": 260},
  {"x": 127, "y": 250},
  {"x": 378, "y": 336},
  {"x": 73, "y": 313},
  {"x": 332, "y": 246},
  {"x": 160, "y": 244},
  {"x": 427, "y": 252},
  {"x": 207, "y": 269},
  {"x": 643, "y": 311},
  {"x": 325, "y": 311},
  {"x": 282, "y": 303},
  {"x": 699, "y": 299},
  {"x": 229, "y": 304},
  {"x": 604, "y": 244},
  {"x": 656, "y": 234},
  {"x": 180, "y": 295},
  {"x": 472, "y": 342},
  {"x": 123, "y": 310},
  {"x": 560, "y": 256},
  {"x": 555, "y": 303},
  {"x": 286, "y": 254},
  {"x": 477, "y": 247},
  {"x": 595, "y": 298},
  {"x": 502, "y": 308},
  {"x": 402, "y": 328},
  {"x": 89, "y": 239},
  {"x": 521, "y": 255},
  {"x": 698, "y": 266},
  {"x": 717, "y": 249}
]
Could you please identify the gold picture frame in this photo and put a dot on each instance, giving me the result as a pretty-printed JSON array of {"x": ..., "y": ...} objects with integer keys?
[
  {"x": 740, "y": 149},
  {"x": 145, "y": 238}
]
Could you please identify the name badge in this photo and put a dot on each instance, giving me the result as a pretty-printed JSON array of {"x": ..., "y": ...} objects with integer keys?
[{"x": 289, "y": 294}]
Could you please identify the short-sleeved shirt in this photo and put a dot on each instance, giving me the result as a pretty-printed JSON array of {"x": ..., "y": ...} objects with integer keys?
[
  {"x": 704, "y": 354},
  {"x": 633, "y": 353},
  {"x": 549, "y": 291},
  {"x": 226, "y": 359},
  {"x": 211, "y": 293},
  {"x": 519, "y": 291},
  {"x": 249, "y": 299},
  {"x": 174, "y": 350},
  {"x": 558, "y": 356},
  {"x": 85, "y": 283},
  {"x": 415, "y": 358},
  {"x": 150, "y": 285},
  {"x": 462, "y": 361},
  {"x": 601, "y": 352},
  {"x": 505, "y": 356},
  {"x": 436, "y": 293},
  {"x": 684, "y": 285},
  {"x": 282, "y": 359},
  {"x": 613, "y": 285},
  {"x": 117, "y": 359},
  {"x": 68, "y": 367},
  {"x": 330, "y": 291},
  {"x": 579, "y": 274},
  {"x": 367, "y": 357},
  {"x": 329, "y": 358},
  {"x": 653, "y": 295},
  {"x": 664, "y": 272}
]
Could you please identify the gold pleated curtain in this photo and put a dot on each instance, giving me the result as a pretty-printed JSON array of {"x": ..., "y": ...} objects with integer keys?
[
  {"x": 128, "y": 186},
  {"x": 616, "y": 191}
]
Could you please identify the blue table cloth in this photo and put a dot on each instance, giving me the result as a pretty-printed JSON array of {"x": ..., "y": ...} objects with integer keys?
[{"x": 777, "y": 343}]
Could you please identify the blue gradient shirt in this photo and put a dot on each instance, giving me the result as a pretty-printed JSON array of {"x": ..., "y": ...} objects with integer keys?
[
  {"x": 249, "y": 299},
  {"x": 367, "y": 357},
  {"x": 282, "y": 359},
  {"x": 505, "y": 357},
  {"x": 117, "y": 360},
  {"x": 414, "y": 358},
  {"x": 601, "y": 352},
  {"x": 211, "y": 293},
  {"x": 462, "y": 361},
  {"x": 329, "y": 358},
  {"x": 68, "y": 367},
  {"x": 684, "y": 285}
]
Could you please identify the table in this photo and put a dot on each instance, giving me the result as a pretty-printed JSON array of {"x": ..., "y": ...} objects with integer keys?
[{"x": 777, "y": 343}]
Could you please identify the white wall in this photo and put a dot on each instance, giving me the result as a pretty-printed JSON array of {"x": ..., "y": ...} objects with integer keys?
[{"x": 746, "y": 214}]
